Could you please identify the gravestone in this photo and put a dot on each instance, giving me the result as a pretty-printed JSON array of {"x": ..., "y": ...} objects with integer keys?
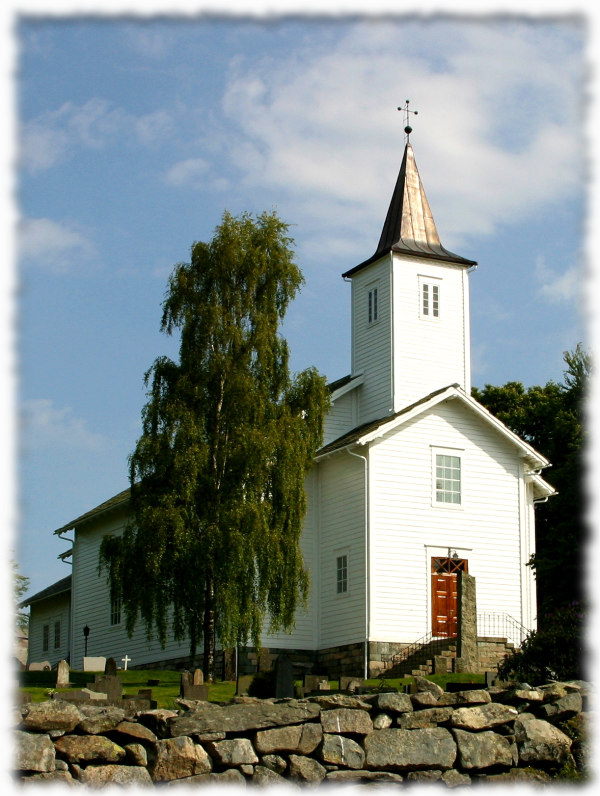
[
  {"x": 93, "y": 664},
  {"x": 43, "y": 666},
  {"x": 313, "y": 681},
  {"x": 189, "y": 690},
  {"x": 198, "y": 677},
  {"x": 110, "y": 667},
  {"x": 62, "y": 675},
  {"x": 351, "y": 684},
  {"x": 284, "y": 677},
  {"x": 107, "y": 684},
  {"x": 243, "y": 684}
]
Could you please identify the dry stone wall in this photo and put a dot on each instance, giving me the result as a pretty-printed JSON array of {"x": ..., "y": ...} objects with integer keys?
[{"x": 518, "y": 733}]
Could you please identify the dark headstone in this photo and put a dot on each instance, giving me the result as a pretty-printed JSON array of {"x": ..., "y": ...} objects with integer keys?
[
  {"x": 110, "y": 667},
  {"x": 284, "y": 677},
  {"x": 185, "y": 681},
  {"x": 198, "y": 692},
  {"x": 243, "y": 684},
  {"x": 313, "y": 681},
  {"x": 106, "y": 684}
]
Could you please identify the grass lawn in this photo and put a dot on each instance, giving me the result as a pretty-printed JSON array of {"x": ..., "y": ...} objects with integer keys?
[{"x": 39, "y": 685}]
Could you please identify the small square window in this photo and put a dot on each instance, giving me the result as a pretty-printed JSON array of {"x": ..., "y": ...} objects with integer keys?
[{"x": 342, "y": 574}]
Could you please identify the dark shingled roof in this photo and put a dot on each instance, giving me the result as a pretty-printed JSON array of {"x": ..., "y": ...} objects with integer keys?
[
  {"x": 108, "y": 505},
  {"x": 409, "y": 227},
  {"x": 356, "y": 433},
  {"x": 335, "y": 385},
  {"x": 60, "y": 587}
]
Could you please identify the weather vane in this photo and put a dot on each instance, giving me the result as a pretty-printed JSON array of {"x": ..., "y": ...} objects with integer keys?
[{"x": 407, "y": 127}]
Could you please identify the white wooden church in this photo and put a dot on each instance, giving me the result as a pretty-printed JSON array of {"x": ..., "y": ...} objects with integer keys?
[{"x": 415, "y": 482}]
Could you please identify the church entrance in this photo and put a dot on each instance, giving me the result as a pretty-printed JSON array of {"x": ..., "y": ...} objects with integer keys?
[{"x": 444, "y": 606}]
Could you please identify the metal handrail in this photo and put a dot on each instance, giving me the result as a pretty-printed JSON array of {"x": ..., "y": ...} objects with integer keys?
[
  {"x": 501, "y": 625},
  {"x": 416, "y": 646}
]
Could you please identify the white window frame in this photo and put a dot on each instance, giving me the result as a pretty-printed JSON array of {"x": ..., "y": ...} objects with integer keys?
[
  {"x": 341, "y": 573},
  {"x": 430, "y": 290},
  {"x": 115, "y": 612},
  {"x": 373, "y": 306},
  {"x": 454, "y": 454}
]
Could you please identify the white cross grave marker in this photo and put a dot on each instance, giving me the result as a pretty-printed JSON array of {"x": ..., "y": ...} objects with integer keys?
[{"x": 126, "y": 660}]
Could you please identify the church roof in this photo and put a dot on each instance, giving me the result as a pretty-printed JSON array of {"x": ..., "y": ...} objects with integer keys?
[
  {"x": 409, "y": 227},
  {"x": 108, "y": 505},
  {"x": 365, "y": 433},
  {"x": 60, "y": 587}
]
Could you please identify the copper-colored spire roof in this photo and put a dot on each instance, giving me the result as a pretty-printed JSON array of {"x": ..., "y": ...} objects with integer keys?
[{"x": 409, "y": 226}]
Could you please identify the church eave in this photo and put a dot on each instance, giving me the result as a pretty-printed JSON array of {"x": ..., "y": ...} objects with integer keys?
[{"x": 443, "y": 256}]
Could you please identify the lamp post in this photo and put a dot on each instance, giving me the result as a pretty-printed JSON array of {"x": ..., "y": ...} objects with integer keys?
[{"x": 86, "y": 633}]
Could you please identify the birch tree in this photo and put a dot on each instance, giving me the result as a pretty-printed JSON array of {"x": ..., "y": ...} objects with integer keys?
[{"x": 217, "y": 476}]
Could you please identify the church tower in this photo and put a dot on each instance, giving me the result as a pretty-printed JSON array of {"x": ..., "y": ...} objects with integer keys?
[{"x": 410, "y": 308}]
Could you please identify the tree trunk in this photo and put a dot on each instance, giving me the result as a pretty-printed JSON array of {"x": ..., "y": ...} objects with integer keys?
[{"x": 208, "y": 634}]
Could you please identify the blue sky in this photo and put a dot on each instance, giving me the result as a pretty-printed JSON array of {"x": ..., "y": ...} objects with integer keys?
[{"x": 133, "y": 137}]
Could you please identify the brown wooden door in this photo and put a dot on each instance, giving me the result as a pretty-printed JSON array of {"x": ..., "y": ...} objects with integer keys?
[{"x": 444, "y": 611}]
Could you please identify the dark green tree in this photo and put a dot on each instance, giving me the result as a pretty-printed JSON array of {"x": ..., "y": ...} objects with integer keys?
[
  {"x": 217, "y": 476},
  {"x": 552, "y": 419}
]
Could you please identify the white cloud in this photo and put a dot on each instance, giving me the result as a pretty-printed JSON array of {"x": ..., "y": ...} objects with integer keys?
[
  {"x": 187, "y": 172},
  {"x": 558, "y": 287},
  {"x": 56, "y": 247},
  {"x": 498, "y": 106},
  {"x": 46, "y": 426},
  {"x": 57, "y": 135}
]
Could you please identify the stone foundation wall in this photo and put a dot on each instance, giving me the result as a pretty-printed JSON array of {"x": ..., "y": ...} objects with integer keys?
[
  {"x": 517, "y": 734},
  {"x": 343, "y": 661}
]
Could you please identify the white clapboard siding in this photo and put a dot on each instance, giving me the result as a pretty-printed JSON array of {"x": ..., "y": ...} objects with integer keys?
[
  {"x": 48, "y": 612},
  {"x": 429, "y": 352},
  {"x": 341, "y": 532},
  {"x": 371, "y": 342},
  {"x": 340, "y": 418},
  {"x": 91, "y": 605},
  {"x": 407, "y": 530}
]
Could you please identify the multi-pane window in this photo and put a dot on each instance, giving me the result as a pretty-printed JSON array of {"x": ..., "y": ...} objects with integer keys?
[
  {"x": 447, "y": 479},
  {"x": 430, "y": 300},
  {"x": 45, "y": 638},
  {"x": 342, "y": 574},
  {"x": 57, "y": 634},
  {"x": 373, "y": 308},
  {"x": 115, "y": 611}
]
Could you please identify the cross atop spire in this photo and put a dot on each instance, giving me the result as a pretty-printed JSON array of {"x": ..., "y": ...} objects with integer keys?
[{"x": 407, "y": 127}]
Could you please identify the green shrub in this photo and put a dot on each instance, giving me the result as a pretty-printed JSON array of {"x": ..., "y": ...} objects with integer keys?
[{"x": 553, "y": 652}]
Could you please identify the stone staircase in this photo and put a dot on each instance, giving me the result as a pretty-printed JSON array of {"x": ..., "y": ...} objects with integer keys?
[
  {"x": 432, "y": 657},
  {"x": 437, "y": 656}
]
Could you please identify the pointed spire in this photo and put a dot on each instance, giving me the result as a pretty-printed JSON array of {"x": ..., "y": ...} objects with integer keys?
[{"x": 409, "y": 226}]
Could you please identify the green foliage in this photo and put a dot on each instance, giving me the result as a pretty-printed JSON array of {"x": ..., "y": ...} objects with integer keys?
[
  {"x": 20, "y": 587},
  {"x": 552, "y": 420},
  {"x": 217, "y": 477},
  {"x": 552, "y": 652}
]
